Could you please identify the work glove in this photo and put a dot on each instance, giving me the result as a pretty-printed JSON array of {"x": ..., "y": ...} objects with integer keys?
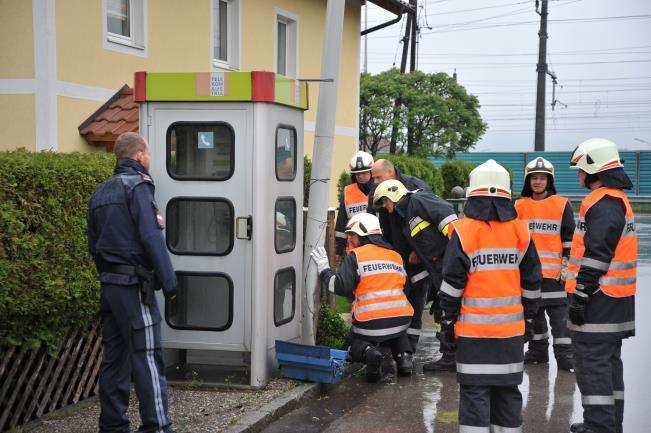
[
  {"x": 320, "y": 258},
  {"x": 528, "y": 330},
  {"x": 447, "y": 333},
  {"x": 577, "y": 306},
  {"x": 562, "y": 276}
]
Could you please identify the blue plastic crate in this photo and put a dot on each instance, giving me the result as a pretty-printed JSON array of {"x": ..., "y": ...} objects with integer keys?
[{"x": 312, "y": 363}]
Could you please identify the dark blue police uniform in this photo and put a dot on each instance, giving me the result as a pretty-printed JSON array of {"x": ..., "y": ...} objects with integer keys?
[{"x": 125, "y": 234}]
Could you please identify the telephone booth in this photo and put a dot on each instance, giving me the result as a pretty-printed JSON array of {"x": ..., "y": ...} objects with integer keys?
[{"x": 227, "y": 160}]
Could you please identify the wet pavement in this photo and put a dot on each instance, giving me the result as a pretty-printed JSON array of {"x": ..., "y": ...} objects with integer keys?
[{"x": 429, "y": 402}]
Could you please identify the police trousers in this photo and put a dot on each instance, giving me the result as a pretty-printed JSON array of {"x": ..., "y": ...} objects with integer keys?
[
  {"x": 132, "y": 351},
  {"x": 600, "y": 376},
  {"x": 488, "y": 409},
  {"x": 558, "y": 322}
]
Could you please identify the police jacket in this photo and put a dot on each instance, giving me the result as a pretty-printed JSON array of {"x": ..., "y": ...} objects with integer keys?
[
  {"x": 353, "y": 201},
  {"x": 604, "y": 251},
  {"x": 551, "y": 224},
  {"x": 125, "y": 227},
  {"x": 374, "y": 276},
  {"x": 491, "y": 284},
  {"x": 423, "y": 218}
]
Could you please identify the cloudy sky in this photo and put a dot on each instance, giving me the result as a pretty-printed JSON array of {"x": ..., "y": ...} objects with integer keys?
[{"x": 599, "y": 49}]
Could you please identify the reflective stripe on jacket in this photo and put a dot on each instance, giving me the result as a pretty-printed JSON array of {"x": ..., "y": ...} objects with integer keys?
[
  {"x": 491, "y": 306},
  {"x": 379, "y": 294},
  {"x": 354, "y": 200},
  {"x": 620, "y": 279},
  {"x": 544, "y": 218}
]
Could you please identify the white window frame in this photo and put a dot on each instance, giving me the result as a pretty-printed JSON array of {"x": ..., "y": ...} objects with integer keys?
[
  {"x": 233, "y": 20},
  {"x": 136, "y": 44},
  {"x": 291, "y": 50}
]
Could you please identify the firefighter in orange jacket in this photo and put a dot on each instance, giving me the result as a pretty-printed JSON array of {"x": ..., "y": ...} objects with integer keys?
[
  {"x": 551, "y": 224},
  {"x": 602, "y": 283},
  {"x": 381, "y": 313},
  {"x": 355, "y": 197},
  {"x": 489, "y": 296}
]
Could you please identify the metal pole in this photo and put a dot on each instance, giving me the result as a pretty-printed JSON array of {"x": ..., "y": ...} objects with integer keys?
[
  {"x": 315, "y": 231},
  {"x": 541, "y": 68}
]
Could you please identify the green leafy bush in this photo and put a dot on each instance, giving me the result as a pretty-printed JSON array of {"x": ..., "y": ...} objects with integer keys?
[
  {"x": 48, "y": 282},
  {"x": 307, "y": 172},
  {"x": 455, "y": 172},
  {"x": 331, "y": 328}
]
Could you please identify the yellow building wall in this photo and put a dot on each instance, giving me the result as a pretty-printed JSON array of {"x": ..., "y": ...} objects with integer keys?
[
  {"x": 17, "y": 120},
  {"x": 16, "y": 39},
  {"x": 71, "y": 110}
]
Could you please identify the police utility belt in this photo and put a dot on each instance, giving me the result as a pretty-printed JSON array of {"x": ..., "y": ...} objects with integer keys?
[{"x": 146, "y": 278}]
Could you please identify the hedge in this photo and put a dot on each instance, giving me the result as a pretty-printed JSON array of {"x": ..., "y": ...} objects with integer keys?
[
  {"x": 48, "y": 282},
  {"x": 455, "y": 172}
]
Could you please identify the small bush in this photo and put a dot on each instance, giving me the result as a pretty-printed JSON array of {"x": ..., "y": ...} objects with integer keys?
[
  {"x": 48, "y": 282},
  {"x": 307, "y": 172},
  {"x": 455, "y": 172},
  {"x": 332, "y": 329}
]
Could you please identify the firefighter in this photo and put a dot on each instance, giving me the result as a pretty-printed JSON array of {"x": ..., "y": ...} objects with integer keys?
[
  {"x": 418, "y": 279},
  {"x": 423, "y": 218},
  {"x": 354, "y": 199},
  {"x": 489, "y": 297},
  {"x": 381, "y": 314},
  {"x": 601, "y": 282},
  {"x": 551, "y": 224}
]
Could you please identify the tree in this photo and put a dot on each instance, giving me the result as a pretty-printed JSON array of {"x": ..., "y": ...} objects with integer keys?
[{"x": 437, "y": 116}]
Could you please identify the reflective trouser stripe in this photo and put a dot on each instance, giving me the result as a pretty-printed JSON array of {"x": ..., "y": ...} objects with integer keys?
[
  {"x": 413, "y": 331},
  {"x": 499, "y": 429},
  {"x": 473, "y": 429},
  {"x": 553, "y": 295},
  {"x": 602, "y": 327},
  {"x": 419, "y": 276},
  {"x": 516, "y": 367},
  {"x": 563, "y": 340},
  {"x": 531, "y": 294},
  {"x": 597, "y": 400},
  {"x": 379, "y": 332},
  {"x": 541, "y": 336},
  {"x": 618, "y": 395},
  {"x": 567, "y": 244}
]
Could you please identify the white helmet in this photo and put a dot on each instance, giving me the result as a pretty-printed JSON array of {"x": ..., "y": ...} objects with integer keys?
[
  {"x": 364, "y": 224},
  {"x": 392, "y": 189},
  {"x": 361, "y": 162},
  {"x": 595, "y": 155},
  {"x": 489, "y": 179},
  {"x": 539, "y": 165}
]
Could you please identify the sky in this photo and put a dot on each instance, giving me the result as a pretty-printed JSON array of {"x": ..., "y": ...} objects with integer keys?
[{"x": 600, "y": 50}]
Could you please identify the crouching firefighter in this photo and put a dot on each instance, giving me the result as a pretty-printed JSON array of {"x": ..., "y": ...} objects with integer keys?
[
  {"x": 551, "y": 224},
  {"x": 489, "y": 297},
  {"x": 602, "y": 283},
  {"x": 381, "y": 314},
  {"x": 126, "y": 241}
]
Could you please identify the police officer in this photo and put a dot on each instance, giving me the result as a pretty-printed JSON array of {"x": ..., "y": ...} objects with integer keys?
[
  {"x": 125, "y": 239},
  {"x": 418, "y": 279},
  {"x": 489, "y": 297},
  {"x": 602, "y": 283},
  {"x": 374, "y": 274},
  {"x": 355, "y": 197},
  {"x": 551, "y": 224},
  {"x": 424, "y": 219}
]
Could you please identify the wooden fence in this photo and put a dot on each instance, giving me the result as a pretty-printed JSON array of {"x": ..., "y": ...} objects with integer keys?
[{"x": 33, "y": 383}]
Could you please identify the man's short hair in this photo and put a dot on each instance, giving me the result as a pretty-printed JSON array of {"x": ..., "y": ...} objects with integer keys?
[{"x": 128, "y": 144}]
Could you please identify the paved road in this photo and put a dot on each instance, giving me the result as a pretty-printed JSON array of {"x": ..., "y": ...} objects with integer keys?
[{"x": 428, "y": 403}]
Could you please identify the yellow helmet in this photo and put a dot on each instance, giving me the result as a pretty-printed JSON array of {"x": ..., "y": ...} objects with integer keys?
[
  {"x": 490, "y": 180},
  {"x": 361, "y": 162},
  {"x": 595, "y": 155},
  {"x": 392, "y": 189},
  {"x": 364, "y": 224}
]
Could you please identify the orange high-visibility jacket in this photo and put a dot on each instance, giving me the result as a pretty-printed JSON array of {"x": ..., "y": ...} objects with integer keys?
[
  {"x": 544, "y": 218},
  {"x": 354, "y": 200},
  {"x": 379, "y": 293},
  {"x": 620, "y": 279},
  {"x": 491, "y": 306}
]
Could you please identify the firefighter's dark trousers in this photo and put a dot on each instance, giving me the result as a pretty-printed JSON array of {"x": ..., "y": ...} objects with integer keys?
[
  {"x": 600, "y": 376},
  {"x": 416, "y": 296},
  {"x": 562, "y": 341},
  {"x": 132, "y": 351},
  {"x": 487, "y": 409},
  {"x": 396, "y": 345}
]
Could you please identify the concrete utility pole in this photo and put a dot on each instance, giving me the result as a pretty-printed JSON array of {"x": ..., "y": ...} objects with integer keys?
[
  {"x": 366, "y": 38},
  {"x": 315, "y": 230},
  {"x": 541, "y": 68}
]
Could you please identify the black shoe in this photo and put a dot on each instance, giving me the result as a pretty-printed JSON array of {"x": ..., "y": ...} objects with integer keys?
[
  {"x": 446, "y": 363},
  {"x": 388, "y": 368},
  {"x": 532, "y": 357},
  {"x": 405, "y": 363},
  {"x": 565, "y": 363},
  {"x": 373, "y": 358},
  {"x": 579, "y": 427}
]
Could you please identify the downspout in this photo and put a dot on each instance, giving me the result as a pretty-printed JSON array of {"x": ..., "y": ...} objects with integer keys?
[{"x": 386, "y": 24}]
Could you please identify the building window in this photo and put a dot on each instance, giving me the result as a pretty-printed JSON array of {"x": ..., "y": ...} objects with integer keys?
[
  {"x": 286, "y": 43},
  {"x": 285, "y": 230},
  {"x": 125, "y": 26},
  {"x": 285, "y": 153},
  {"x": 225, "y": 34},
  {"x": 284, "y": 296}
]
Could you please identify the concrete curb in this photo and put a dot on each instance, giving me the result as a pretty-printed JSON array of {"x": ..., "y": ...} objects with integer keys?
[{"x": 255, "y": 421}]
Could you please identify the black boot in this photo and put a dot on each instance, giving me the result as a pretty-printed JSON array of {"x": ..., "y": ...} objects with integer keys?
[
  {"x": 373, "y": 359},
  {"x": 565, "y": 363},
  {"x": 405, "y": 362},
  {"x": 579, "y": 427},
  {"x": 536, "y": 357},
  {"x": 389, "y": 368},
  {"x": 447, "y": 362}
]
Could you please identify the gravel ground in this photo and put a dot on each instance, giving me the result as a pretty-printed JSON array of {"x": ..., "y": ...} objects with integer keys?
[{"x": 191, "y": 410}]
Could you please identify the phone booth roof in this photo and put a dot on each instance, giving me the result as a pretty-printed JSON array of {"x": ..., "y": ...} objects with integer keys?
[{"x": 253, "y": 86}]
